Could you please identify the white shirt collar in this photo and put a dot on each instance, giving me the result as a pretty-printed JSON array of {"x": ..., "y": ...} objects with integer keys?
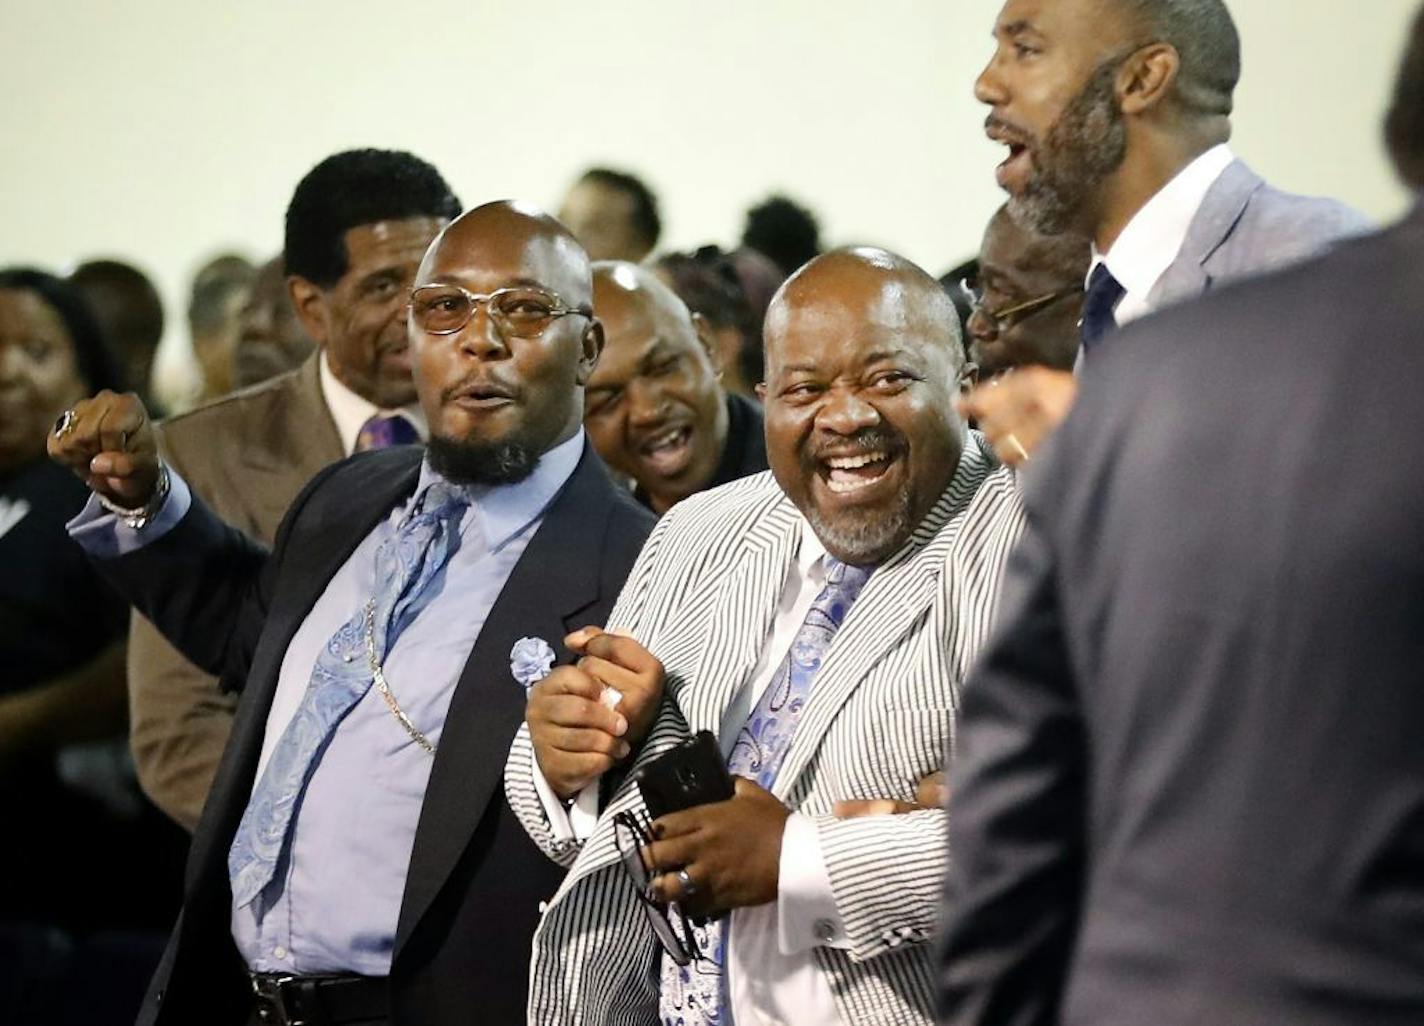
[
  {"x": 1154, "y": 236},
  {"x": 505, "y": 510},
  {"x": 349, "y": 411}
]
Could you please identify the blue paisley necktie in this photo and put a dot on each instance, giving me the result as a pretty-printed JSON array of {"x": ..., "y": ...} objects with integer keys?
[
  {"x": 406, "y": 563},
  {"x": 694, "y": 995}
]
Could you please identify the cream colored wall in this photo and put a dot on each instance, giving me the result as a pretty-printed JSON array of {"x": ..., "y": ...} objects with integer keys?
[{"x": 165, "y": 130}]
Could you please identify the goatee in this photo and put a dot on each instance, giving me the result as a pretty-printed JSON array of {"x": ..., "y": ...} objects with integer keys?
[{"x": 468, "y": 463}]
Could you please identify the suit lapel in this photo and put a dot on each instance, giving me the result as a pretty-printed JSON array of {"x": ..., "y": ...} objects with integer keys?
[
  {"x": 488, "y": 704},
  {"x": 894, "y": 600},
  {"x": 1213, "y": 224},
  {"x": 740, "y": 618},
  {"x": 294, "y": 444}
]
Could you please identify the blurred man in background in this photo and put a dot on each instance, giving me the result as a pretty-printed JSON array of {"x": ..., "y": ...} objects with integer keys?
[
  {"x": 613, "y": 214},
  {"x": 130, "y": 314},
  {"x": 270, "y": 339},
  {"x": 720, "y": 286},
  {"x": 1026, "y": 297},
  {"x": 220, "y": 291},
  {"x": 357, "y": 227},
  {"x": 655, "y": 409}
]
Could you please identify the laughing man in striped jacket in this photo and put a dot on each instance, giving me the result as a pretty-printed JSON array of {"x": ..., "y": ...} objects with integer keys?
[{"x": 818, "y": 619}]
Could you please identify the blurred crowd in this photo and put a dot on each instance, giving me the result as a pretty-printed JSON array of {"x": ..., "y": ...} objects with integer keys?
[{"x": 1124, "y": 200}]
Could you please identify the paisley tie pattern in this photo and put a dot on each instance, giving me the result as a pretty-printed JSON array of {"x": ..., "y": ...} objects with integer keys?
[
  {"x": 406, "y": 563},
  {"x": 383, "y": 431},
  {"x": 695, "y": 995}
]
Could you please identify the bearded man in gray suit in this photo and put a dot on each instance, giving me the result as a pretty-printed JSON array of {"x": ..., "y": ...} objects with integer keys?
[
  {"x": 818, "y": 619},
  {"x": 1190, "y": 781},
  {"x": 1117, "y": 116}
]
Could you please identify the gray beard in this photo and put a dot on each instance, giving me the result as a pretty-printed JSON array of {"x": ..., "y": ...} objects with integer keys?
[
  {"x": 867, "y": 538},
  {"x": 1086, "y": 144}
]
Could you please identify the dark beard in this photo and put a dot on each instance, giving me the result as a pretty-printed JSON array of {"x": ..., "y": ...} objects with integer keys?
[
  {"x": 1086, "y": 144},
  {"x": 467, "y": 463}
]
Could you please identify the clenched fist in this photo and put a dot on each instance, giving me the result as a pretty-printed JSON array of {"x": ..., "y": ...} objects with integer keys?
[
  {"x": 578, "y": 736},
  {"x": 108, "y": 442}
]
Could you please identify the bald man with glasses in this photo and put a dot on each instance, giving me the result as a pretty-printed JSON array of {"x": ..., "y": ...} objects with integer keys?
[{"x": 357, "y": 861}]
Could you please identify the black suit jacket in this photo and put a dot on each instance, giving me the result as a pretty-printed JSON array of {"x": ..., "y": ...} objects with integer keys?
[
  {"x": 1189, "y": 784},
  {"x": 475, "y": 880}
]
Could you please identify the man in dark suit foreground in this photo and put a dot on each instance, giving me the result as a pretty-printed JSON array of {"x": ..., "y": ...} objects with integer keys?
[
  {"x": 356, "y": 861},
  {"x": 1189, "y": 784}
]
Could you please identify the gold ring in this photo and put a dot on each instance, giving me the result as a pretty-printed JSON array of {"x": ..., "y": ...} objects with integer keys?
[{"x": 1012, "y": 441}]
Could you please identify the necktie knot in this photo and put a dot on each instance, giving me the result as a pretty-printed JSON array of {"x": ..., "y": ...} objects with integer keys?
[
  {"x": 1099, "y": 303},
  {"x": 383, "y": 430}
]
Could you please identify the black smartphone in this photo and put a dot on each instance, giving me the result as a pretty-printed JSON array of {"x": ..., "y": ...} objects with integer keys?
[{"x": 692, "y": 773}]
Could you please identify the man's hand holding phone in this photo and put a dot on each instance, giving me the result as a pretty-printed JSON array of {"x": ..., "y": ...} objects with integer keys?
[{"x": 577, "y": 736}]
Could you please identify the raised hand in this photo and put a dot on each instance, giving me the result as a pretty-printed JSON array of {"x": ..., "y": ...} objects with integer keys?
[{"x": 108, "y": 442}]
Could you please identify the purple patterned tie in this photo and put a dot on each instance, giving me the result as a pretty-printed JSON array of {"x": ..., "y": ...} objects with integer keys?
[
  {"x": 694, "y": 995},
  {"x": 385, "y": 430}
]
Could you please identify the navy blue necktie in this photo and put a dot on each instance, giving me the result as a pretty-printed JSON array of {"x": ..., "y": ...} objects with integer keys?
[{"x": 1101, "y": 300}]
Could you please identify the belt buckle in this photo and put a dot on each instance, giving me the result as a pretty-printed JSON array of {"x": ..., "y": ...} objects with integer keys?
[{"x": 271, "y": 994}]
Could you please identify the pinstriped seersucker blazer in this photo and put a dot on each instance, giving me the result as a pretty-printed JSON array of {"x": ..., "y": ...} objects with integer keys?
[{"x": 702, "y": 598}]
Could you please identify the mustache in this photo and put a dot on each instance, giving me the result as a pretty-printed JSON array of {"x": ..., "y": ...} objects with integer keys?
[
  {"x": 487, "y": 384},
  {"x": 1006, "y": 131},
  {"x": 872, "y": 439}
]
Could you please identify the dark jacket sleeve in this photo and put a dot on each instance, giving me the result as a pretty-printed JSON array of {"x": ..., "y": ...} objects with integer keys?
[
  {"x": 206, "y": 586},
  {"x": 1017, "y": 807}
]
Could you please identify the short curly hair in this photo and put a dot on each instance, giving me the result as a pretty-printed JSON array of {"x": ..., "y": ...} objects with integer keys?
[{"x": 351, "y": 189}]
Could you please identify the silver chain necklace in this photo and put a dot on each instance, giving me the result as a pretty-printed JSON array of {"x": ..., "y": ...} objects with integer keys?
[{"x": 383, "y": 687}]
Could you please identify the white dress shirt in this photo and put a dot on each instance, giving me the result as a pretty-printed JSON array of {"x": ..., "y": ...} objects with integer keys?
[
  {"x": 1153, "y": 238},
  {"x": 350, "y": 411},
  {"x": 772, "y": 977}
]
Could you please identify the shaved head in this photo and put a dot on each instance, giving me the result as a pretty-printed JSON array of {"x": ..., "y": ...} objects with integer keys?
[
  {"x": 884, "y": 286},
  {"x": 509, "y": 228}
]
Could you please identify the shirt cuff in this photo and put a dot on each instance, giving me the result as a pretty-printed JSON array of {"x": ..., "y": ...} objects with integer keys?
[
  {"x": 568, "y": 823},
  {"x": 102, "y": 535},
  {"x": 806, "y": 914}
]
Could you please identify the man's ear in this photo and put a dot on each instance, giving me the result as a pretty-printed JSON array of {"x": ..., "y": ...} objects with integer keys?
[
  {"x": 1147, "y": 77},
  {"x": 968, "y": 378},
  {"x": 591, "y": 344},
  {"x": 708, "y": 339},
  {"x": 309, "y": 304},
  {"x": 761, "y": 392}
]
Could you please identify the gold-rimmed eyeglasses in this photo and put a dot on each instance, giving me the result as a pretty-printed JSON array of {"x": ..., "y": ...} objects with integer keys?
[
  {"x": 1003, "y": 320},
  {"x": 518, "y": 311}
]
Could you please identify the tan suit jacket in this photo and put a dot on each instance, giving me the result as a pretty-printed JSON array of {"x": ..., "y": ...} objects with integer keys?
[{"x": 247, "y": 455}]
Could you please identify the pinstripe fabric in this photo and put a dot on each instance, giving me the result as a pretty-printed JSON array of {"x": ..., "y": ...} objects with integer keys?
[{"x": 702, "y": 598}]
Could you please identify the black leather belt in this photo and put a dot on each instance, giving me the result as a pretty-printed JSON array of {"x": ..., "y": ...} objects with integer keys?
[{"x": 282, "y": 999}]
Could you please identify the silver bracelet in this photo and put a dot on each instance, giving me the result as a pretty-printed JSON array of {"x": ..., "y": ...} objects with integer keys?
[{"x": 139, "y": 518}]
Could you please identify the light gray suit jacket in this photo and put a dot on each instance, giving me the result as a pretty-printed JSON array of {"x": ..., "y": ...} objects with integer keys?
[
  {"x": 1246, "y": 227},
  {"x": 702, "y": 598},
  {"x": 248, "y": 455}
]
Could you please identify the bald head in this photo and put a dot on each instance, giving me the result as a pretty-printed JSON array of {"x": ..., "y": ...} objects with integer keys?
[
  {"x": 863, "y": 366},
  {"x": 656, "y": 410},
  {"x": 874, "y": 286},
  {"x": 512, "y": 232}
]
